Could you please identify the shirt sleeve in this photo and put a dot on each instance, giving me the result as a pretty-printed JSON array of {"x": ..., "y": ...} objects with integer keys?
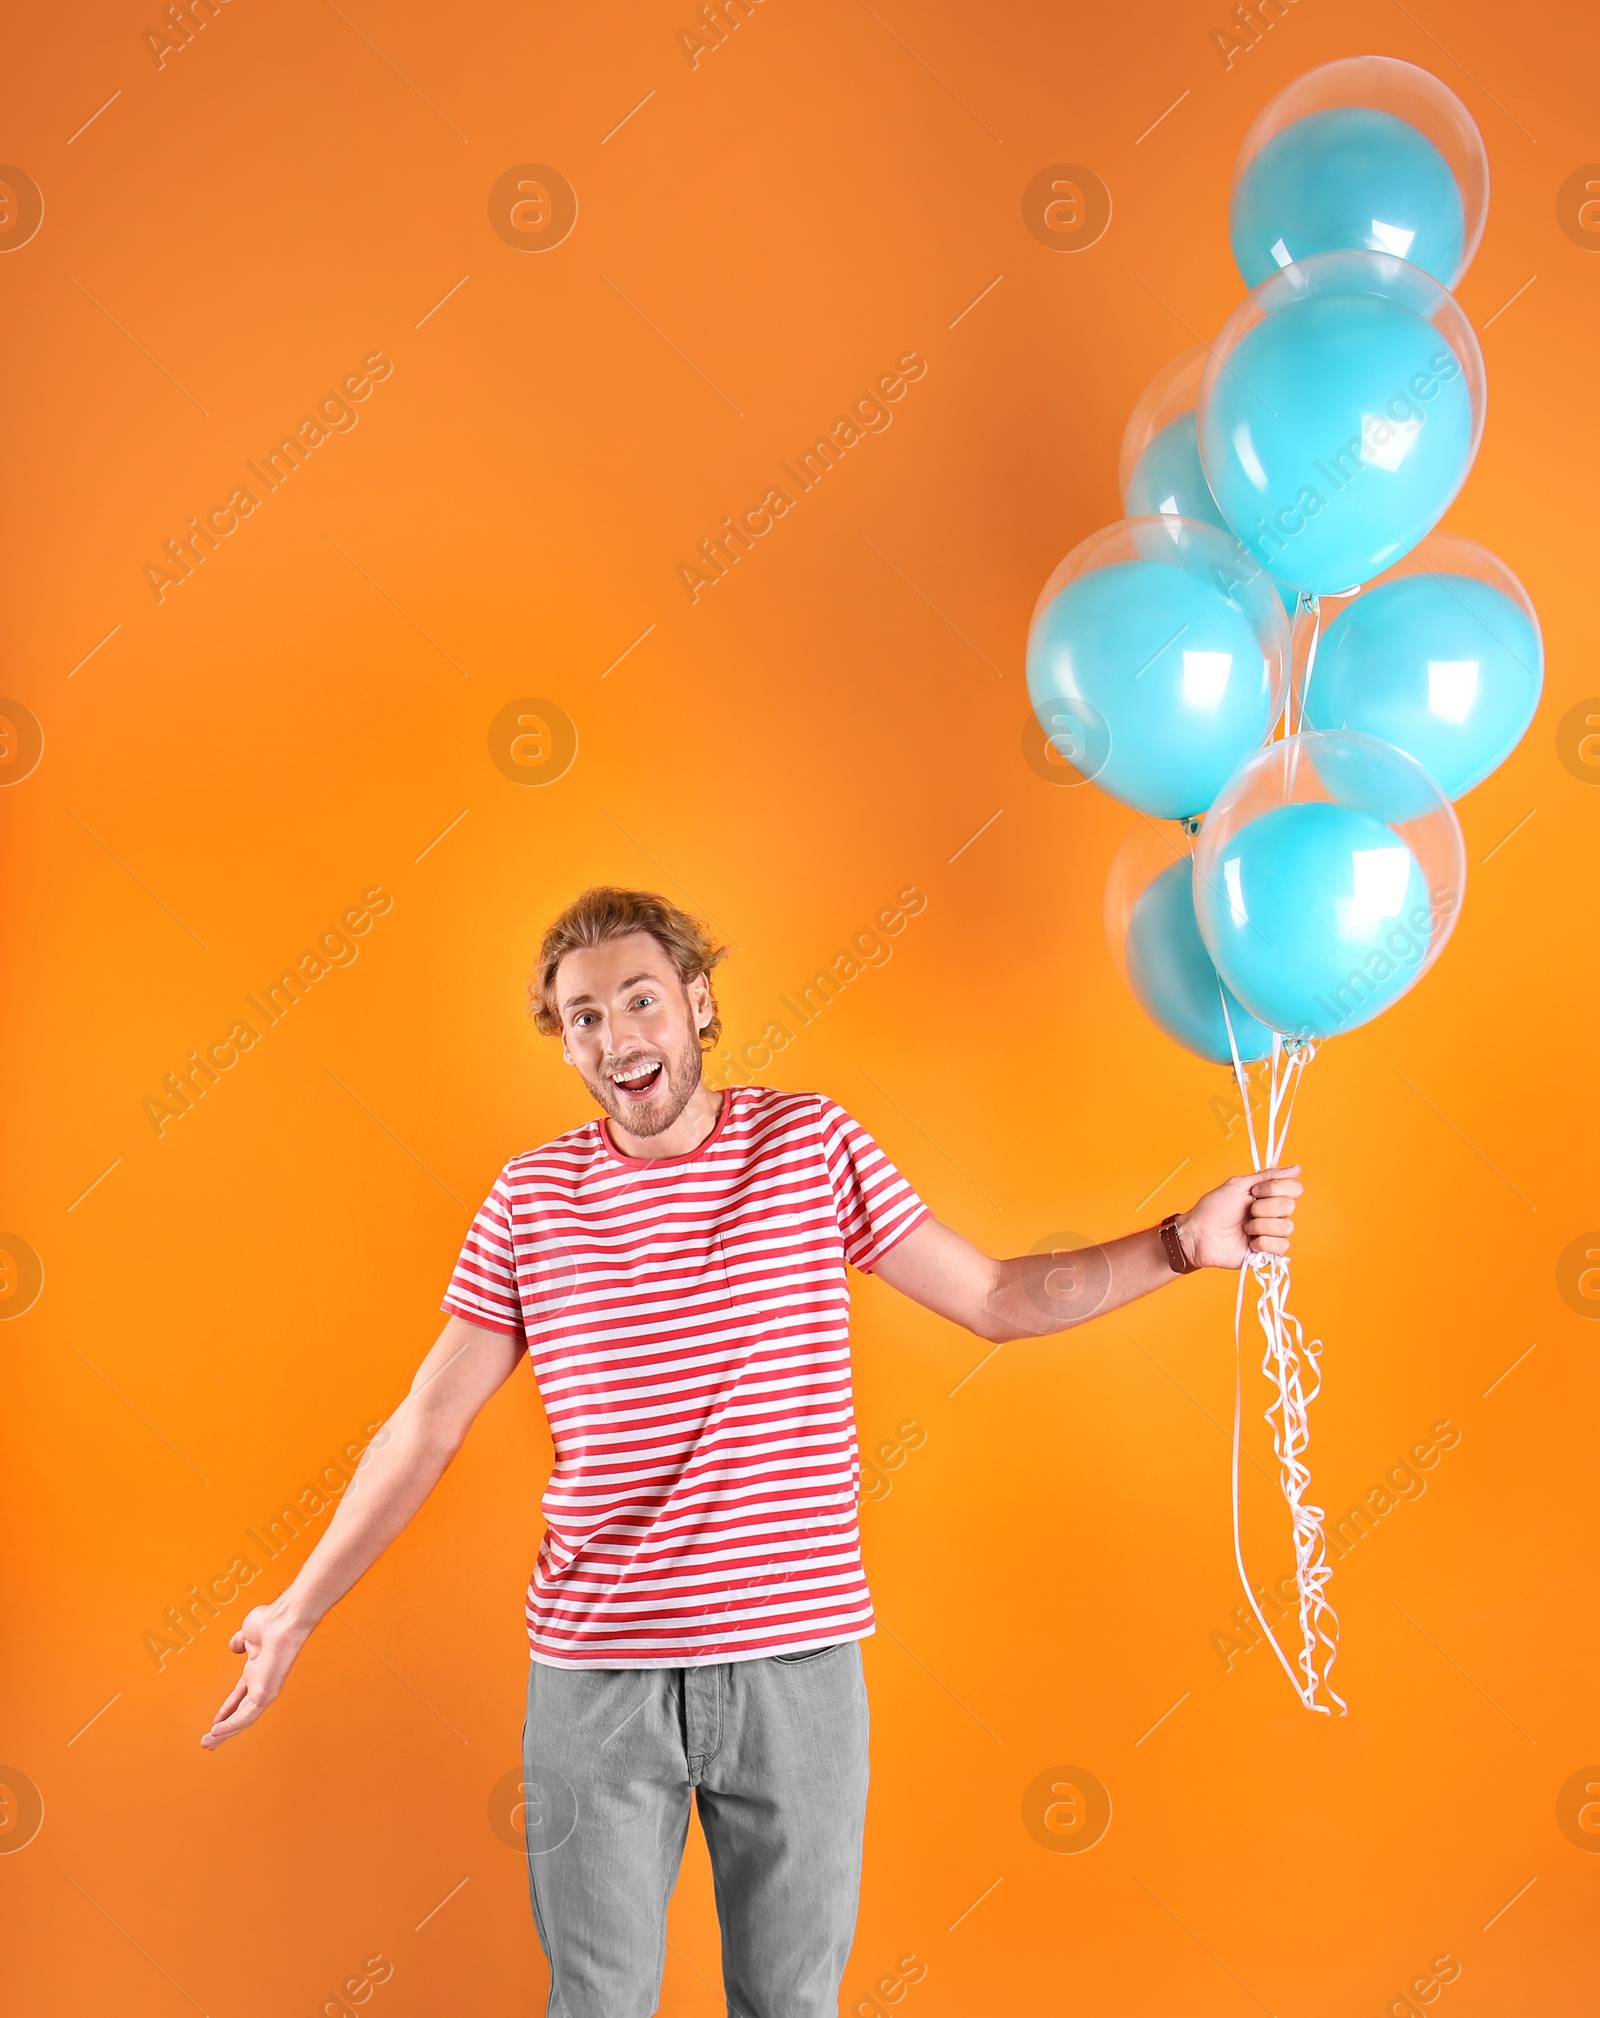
[
  {"x": 875, "y": 1206},
  {"x": 483, "y": 1286}
]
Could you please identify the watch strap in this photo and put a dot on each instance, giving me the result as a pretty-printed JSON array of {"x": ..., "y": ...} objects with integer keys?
[{"x": 1178, "y": 1261}]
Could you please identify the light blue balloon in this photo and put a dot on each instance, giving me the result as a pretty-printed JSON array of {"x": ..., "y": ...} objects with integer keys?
[
  {"x": 1317, "y": 917},
  {"x": 1168, "y": 478},
  {"x": 1374, "y": 777},
  {"x": 1446, "y": 667},
  {"x": 1170, "y": 971},
  {"x": 1149, "y": 680},
  {"x": 1335, "y": 437},
  {"x": 1351, "y": 179}
]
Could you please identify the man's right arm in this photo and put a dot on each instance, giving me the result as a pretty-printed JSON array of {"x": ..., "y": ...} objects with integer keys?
[{"x": 399, "y": 1468}]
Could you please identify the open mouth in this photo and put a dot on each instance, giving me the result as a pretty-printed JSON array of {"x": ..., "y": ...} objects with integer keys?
[{"x": 638, "y": 1080}]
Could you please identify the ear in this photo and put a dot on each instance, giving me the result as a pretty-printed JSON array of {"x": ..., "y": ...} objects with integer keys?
[{"x": 701, "y": 1008}]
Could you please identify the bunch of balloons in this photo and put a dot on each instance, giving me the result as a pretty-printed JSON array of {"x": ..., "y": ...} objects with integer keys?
[{"x": 1276, "y": 651}]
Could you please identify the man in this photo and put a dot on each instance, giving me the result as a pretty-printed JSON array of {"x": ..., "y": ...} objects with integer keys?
[{"x": 676, "y": 1271}]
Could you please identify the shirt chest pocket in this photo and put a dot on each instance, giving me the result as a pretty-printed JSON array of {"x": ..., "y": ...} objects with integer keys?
[{"x": 716, "y": 1285}]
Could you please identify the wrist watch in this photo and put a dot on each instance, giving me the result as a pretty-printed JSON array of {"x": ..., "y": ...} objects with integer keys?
[{"x": 1179, "y": 1261}]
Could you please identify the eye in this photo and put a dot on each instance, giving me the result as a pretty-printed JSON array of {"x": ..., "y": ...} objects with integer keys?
[{"x": 642, "y": 1001}]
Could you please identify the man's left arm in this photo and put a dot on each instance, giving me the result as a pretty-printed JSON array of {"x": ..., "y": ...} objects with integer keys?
[{"x": 1035, "y": 1295}]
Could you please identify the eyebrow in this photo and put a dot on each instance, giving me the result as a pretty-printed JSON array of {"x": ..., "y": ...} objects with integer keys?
[{"x": 633, "y": 980}]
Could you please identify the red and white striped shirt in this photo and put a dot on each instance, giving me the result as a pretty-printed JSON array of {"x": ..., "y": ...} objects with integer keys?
[{"x": 688, "y": 1321}]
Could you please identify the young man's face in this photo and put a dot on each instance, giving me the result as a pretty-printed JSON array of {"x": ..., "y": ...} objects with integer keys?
[{"x": 633, "y": 1030}]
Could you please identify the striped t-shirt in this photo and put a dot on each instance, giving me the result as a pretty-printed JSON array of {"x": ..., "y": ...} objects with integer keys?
[{"x": 688, "y": 1321}]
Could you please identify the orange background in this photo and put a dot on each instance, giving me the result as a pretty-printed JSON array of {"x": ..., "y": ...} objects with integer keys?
[{"x": 234, "y": 766}]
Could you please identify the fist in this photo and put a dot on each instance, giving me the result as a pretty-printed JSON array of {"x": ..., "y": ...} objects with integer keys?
[{"x": 1247, "y": 1215}]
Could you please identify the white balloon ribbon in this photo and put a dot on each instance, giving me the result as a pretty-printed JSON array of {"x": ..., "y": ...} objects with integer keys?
[{"x": 1291, "y": 1364}]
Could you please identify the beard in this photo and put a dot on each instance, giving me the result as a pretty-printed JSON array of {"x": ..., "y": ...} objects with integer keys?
[{"x": 654, "y": 1112}]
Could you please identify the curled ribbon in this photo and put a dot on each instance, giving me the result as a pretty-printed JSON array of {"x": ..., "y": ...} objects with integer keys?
[{"x": 1291, "y": 1363}]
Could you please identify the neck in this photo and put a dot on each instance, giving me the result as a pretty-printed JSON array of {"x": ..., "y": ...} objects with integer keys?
[{"x": 685, "y": 1135}]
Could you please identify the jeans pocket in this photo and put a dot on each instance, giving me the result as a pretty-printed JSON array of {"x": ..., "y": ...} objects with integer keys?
[{"x": 807, "y": 1654}]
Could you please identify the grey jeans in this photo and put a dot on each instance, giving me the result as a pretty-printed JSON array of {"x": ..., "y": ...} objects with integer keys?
[{"x": 773, "y": 1752}]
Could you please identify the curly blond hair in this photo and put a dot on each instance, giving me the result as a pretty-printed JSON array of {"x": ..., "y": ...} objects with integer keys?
[{"x": 606, "y": 912}]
